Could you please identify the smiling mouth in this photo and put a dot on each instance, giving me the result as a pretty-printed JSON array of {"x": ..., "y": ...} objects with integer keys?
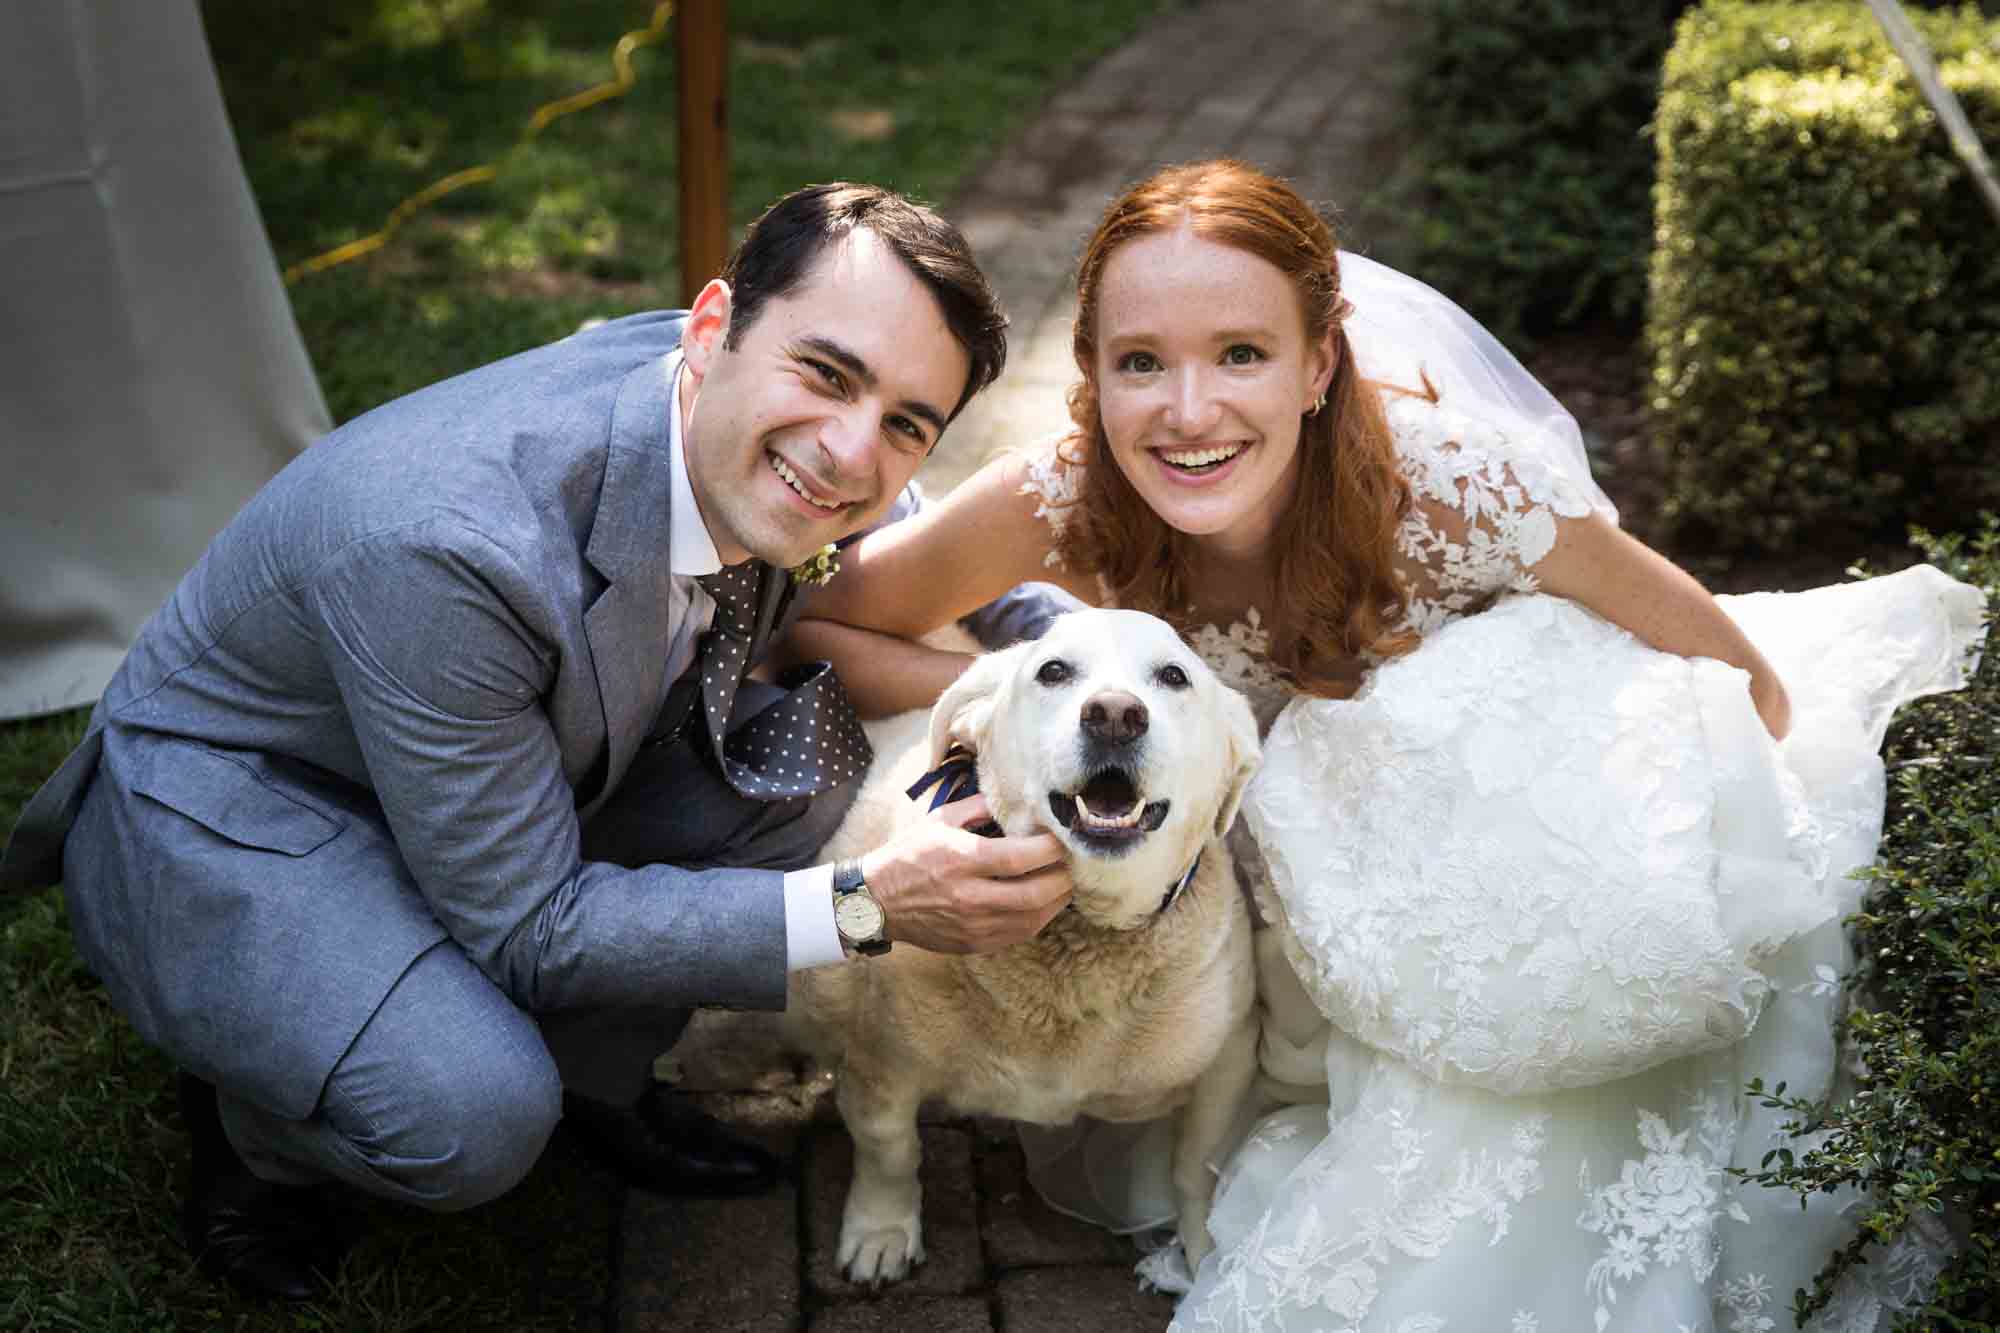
[
  {"x": 1196, "y": 462},
  {"x": 793, "y": 480},
  {"x": 1107, "y": 811}
]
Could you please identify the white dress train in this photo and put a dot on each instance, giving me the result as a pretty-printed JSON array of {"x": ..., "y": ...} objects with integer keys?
[{"x": 1562, "y": 898}]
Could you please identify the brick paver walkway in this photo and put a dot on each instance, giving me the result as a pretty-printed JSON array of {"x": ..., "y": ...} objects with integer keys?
[{"x": 1306, "y": 88}]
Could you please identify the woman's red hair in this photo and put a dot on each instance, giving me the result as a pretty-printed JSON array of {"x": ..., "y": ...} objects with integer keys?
[{"x": 1333, "y": 549}]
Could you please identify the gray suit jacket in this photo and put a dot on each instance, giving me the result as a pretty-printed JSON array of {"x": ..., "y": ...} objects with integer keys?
[{"x": 372, "y": 717}]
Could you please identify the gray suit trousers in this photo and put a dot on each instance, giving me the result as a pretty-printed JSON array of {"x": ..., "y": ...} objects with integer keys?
[{"x": 448, "y": 1095}]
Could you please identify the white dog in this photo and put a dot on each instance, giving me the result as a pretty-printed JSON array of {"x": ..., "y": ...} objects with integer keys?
[{"x": 1137, "y": 1001}]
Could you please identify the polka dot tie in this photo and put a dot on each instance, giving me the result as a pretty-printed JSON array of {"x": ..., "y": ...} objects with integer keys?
[{"x": 805, "y": 743}]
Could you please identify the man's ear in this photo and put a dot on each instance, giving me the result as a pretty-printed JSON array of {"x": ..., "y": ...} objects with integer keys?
[{"x": 707, "y": 328}]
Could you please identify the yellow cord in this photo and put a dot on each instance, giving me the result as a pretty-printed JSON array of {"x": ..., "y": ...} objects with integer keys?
[{"x": 620, "y": 84}]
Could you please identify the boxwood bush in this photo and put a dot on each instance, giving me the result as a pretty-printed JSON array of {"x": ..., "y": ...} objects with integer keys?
[
  {"x": 1824, "y": 320},
  {"x": 1532, "y": 167},
  {"x": 1922, "y": 1135}
]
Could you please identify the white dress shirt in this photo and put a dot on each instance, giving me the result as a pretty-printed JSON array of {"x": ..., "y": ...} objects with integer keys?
[{"x": 810, "y": 937}]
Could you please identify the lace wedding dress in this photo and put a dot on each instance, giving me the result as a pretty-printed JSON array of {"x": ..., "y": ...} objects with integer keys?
[{"x": 1560, "y": 897}]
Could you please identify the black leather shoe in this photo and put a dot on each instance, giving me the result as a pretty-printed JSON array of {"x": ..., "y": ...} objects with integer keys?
[
  {"x": 272, "y": 1241},
  {"x": 667, "y": 1146}
]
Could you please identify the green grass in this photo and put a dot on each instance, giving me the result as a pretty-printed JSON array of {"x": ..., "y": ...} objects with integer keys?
[
  {"x": 87, "y": 1218},
  {"x": 341, "y": 109}
]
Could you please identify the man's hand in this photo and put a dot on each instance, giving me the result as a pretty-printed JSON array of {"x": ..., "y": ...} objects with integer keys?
[{"x": 950, "y": 891}]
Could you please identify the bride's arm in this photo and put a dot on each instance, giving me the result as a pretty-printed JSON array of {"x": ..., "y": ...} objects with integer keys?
[
  {"x": 1495, "y": 500},
  {"x": 1597, "y": 565},
  {"x": 907, "y": 579},
  {"x": 883, "y": 675}
]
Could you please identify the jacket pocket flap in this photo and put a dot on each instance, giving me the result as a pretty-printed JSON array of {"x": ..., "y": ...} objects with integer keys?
[{"x": 225, "y": 794}]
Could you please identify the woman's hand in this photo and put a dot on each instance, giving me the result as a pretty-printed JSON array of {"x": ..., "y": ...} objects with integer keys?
[{"x": 1773, "y": 704}]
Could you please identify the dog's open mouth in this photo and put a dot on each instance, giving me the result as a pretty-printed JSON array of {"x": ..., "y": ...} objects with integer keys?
[{"x": 1107, "y": 809}]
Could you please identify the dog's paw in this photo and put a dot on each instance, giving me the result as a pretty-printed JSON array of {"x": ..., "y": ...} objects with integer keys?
[{"x": 877, "y": 1253}]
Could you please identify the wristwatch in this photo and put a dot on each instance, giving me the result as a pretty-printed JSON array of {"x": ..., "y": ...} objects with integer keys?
[{"x": 863, "y": 927}]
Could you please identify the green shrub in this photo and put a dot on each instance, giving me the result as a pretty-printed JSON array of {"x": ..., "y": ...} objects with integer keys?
[
  {"x": 1531, "y": 159},
  {"x": 1531, "y": 163},
  {"x": 1922, "y": 1134},
  {"x": 1825, "y": 300}
]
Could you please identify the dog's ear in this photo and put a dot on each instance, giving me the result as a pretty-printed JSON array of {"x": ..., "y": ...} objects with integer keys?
[
  {"x": 964, "y": 712},
  {"x": 1242, "y": 754}
]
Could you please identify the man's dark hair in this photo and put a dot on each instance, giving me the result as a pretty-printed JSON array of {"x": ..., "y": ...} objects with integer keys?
[{"x": 783, "y": 244}]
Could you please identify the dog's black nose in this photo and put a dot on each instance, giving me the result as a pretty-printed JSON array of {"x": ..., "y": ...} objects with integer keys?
[{"x": 1114, "y": 716}]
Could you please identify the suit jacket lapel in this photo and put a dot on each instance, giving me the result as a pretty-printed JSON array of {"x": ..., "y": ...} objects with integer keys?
[{"x": 627, "y": 625}]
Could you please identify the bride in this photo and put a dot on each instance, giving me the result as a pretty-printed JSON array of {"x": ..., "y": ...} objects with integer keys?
[{"x": 1551, "y": 847}]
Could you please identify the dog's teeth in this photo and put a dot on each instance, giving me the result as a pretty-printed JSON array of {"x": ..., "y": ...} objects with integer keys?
[{"x": 1095, "y": 820}]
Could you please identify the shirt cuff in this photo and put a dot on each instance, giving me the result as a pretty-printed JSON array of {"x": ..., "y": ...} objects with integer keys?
[{"x": 810, "y": 937}]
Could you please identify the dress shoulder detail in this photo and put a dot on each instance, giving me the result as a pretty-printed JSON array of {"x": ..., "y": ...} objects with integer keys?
[
  {"x": 1487, "y": 496},
  {"x": 1056, "y": 482}
]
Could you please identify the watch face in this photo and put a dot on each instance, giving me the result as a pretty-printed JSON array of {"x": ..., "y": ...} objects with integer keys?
[{"x": 857, "y": 915}]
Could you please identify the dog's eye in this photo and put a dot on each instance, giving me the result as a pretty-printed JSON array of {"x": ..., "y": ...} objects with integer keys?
[
  {"x": 1053, "y": 672},
  {"x": 1172, "y": 676}
]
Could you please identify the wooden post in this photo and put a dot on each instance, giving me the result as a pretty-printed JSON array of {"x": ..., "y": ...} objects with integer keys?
[{"x": 701, "y": 44}]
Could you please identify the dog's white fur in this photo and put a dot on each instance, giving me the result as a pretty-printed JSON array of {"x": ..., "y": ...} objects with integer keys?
[{"x": 1117, "y": 1009}]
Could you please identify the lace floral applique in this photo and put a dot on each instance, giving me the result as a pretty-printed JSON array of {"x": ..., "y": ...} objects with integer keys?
[
  {"x": 1330, "y": 1265},
  {"x": 1898, "y": 1277},
  {"x": 1663, "y": 1209},
  {"x": 1240, "y": 658},
  {"x": 1057, "y": 484},
  {"x": 1471, "y": 912},
  {"x": 1746, "y": 1299},
  {"x": 1502, "y": 498}
]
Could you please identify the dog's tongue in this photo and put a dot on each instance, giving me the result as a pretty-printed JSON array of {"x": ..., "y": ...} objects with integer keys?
[
  {"x": 1108, "y": 796},
  {"x": 1109, "y": 805}
]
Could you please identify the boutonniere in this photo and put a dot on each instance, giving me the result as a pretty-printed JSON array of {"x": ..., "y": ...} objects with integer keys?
[{"x": 818, "y": 568}]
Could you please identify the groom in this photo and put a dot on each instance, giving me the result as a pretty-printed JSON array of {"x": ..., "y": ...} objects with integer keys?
[{"x": 436, "y": 794}]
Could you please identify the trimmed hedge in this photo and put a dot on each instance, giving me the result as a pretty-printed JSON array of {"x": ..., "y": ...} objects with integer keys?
[
  {"x": 1532, "y": 161},
  {"x": 1825, "y": 284},
  {"x": 1922, "y": 1135}
]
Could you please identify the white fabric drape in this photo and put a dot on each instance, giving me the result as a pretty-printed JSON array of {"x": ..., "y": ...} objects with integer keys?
[{"x": 151, "y": 374}]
